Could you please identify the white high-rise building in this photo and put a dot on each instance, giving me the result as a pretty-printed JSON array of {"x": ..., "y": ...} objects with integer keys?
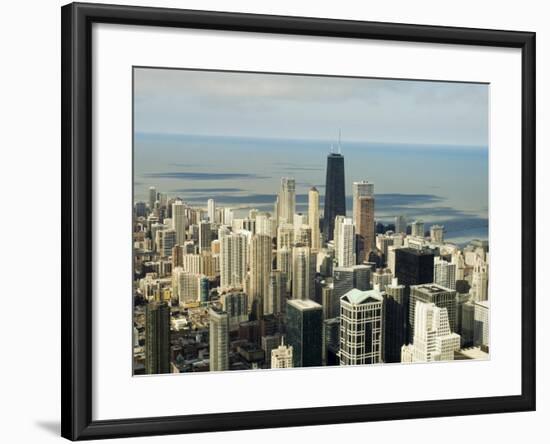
[
  {"x": 383, "y": 242},
  {"x": 219, "y": 340},
  {"x": 212, "y": 211},
  {"x": 299, "y": 220},
  {"x": 433, "y": 340},
  {"x": 442, "y": 297},
  {"x": 436, "y": 233},
  {"x": 284, "y": 264},
  {"x": 281, "y": 357},
  {"x": 185, "y": 286},
  {"x": 361, "y": 327},
  {"x": 233, "y": 261},
  {"x": 285, "y": 236},
  {"x": 381, "y": 278},
  {"x": 228, "y": 216},
  {"x": 444, "y": 273},
  {"x": 304, "y": 263},
  {"x": 344, "y": 241},
  {"x": 480, "y": 279},
  {"x": 302, "y": 235},
  {"x": 313, "y": 218},
  {"x": 481, "y": 323},
  {"x": 152, "y": 197},
  {"x": 360, "y": 189},
  {"x": 400, "y": 224},
  {"x": 179, "y": 221},
  {"x": 417, "y": 228},
  {"x": 458, "y": 260},
  {"x": 287, "y": 200},
  {"x": 260, "y": 267},
  {"x": 265, "y": 224}
]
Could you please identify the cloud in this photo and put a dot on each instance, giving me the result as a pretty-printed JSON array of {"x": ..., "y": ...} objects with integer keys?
[
  {"x": 207, "y": 190},
  {"x": 310, "y": 107},
  {"x": 193, "y": 175}
]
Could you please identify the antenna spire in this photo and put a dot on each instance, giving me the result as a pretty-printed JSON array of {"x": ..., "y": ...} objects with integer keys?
[{"x": 339, "y": 141}]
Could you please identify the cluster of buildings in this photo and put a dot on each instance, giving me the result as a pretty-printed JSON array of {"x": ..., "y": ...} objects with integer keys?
[{"x": 283, "y": 289}]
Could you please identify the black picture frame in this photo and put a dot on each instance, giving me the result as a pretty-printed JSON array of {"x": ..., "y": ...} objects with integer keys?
[{"x": 76, "y": 129}]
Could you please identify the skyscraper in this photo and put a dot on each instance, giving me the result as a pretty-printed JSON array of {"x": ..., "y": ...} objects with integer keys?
[
  {"x": 284, "y": 263},
  {"x": 313, "y": 218},
  {"x": 232, "y": 261},
  {"x": 165, "y": 240},
  {"x": 260, "y": 267},
  {"x": 212, "y": 211},
  {"x": 383, "y": 242},
  {"x": 152, "y": 197},
  {"x": 348, "y": 278},
  {"x": 185, "y": 286},
  {"x": 417, "y": 228},
  {"x": 382, "y": 277},
  {"x": 444, "y": 273},
  {"x": 287, "y": 200},
  {"x": 433, "y": 338},
  {"x": 364, "y": 216},
  {"x": 205, "y": 236},
  {"x": 400, "y": 224},
  {"x": 276, "y": 291},
  {"x": 360, "y": 189},
  {"x": 361, "y": 327},
  {"x": 179, "y": 221},
  {"x": 433, "y": 294},
  {"x": 157, "y": 338},
  {"x": 227, "y": 216},
  {"x": 235, "y": 304},
  {"x": 219, "y": 340},
  {"x": 304, "y": 263},
  {"x": 436, "y": 233},
  {"x": 281, "y": 357},
  {"x": 481, "y": 323},
  {"x": 305, "y": 332},
  {"x": 335, "y": 193},
  {"x": 395, "y": 321},
  {"x": 302, "y": 235},
  {"x": 344, "y": 241},
  {"x": 480, "y": 279},
  {"x": 331, "y": 340},
  {"x": 413, "y": 267},
  {"x": 285, "y": 236}
]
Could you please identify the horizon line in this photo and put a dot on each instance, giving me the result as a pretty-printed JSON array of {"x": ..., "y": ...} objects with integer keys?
[{"x": 311, "y": 139}]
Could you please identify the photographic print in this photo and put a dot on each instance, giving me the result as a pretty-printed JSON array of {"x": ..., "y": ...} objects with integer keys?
[{"x": 285, "y": 220}]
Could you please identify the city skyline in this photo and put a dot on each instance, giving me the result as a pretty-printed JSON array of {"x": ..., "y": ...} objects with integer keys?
[
  {"x": 253, "y": 255},
  {"x": 200, "y": 104}
]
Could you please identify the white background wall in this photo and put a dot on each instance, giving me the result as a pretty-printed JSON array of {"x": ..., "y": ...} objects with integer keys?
[{"x": 30, "y": 184}]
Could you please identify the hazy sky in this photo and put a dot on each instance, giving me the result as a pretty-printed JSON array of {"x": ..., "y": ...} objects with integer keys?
[{"x": 310, "y": 107}]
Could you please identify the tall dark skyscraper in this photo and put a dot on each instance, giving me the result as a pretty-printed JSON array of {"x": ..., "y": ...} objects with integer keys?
[
  {"x": 335, "y": 193},
  {"x": 157, "y": 343},
  {"x": 305, "y": 332},
  {"x": 413, "y": 267}
]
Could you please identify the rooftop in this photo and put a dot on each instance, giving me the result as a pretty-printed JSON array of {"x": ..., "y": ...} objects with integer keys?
[
  {"x": 357, "y": 297},
  {"x": 304, "y": 304},
  {"x": 431, "y": 288},
  {"x": 484, "y": 304}
]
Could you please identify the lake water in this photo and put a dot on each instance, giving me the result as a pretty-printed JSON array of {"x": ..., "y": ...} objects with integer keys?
[{"x": 440, "y": 184}]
